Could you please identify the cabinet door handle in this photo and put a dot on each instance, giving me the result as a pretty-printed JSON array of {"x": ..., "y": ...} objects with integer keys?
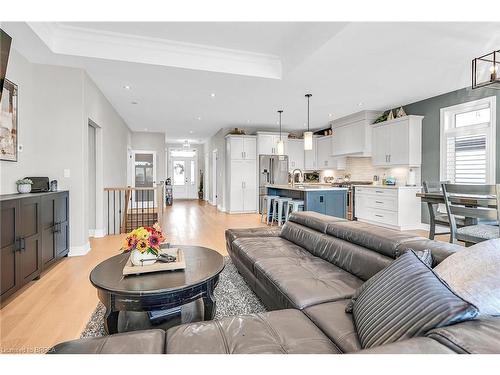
[
  {"x": 389, "y": 158},
  {"x": 242, "y": 155},
  {"x": 17, "y": 244}
]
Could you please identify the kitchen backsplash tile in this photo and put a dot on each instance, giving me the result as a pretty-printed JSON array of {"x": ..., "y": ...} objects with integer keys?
[{"x": 362, "y": 169}]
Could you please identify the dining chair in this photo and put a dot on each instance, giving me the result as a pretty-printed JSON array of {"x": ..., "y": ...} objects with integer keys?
[
  {"x": 479, "y": 202},
  {"x": 436, "y": 217}
]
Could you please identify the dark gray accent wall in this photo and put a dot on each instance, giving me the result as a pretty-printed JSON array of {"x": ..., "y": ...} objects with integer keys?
[{"x": 430, "y": 108}]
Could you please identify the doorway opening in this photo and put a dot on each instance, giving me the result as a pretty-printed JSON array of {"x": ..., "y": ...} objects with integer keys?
[
  {"x": 214, "y": 178},
  {"x": 92, "y": 177},
  {"x": 184, "y": 173}
]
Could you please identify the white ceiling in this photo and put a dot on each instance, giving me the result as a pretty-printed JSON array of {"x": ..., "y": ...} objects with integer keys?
[{"x": 257, "y": 68}]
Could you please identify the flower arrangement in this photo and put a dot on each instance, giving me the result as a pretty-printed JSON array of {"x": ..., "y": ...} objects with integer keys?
[
  {"x": 24, "y": 181},
  {"x": 146, "y": 240}
]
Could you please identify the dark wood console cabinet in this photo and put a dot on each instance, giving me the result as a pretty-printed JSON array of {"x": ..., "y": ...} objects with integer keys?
[{"x": 34, "y": 234}]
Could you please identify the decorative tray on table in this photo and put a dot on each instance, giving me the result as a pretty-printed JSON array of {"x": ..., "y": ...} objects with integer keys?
[{"x": 178, "y": 263}]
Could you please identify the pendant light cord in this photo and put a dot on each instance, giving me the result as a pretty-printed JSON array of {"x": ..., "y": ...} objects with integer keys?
[
  {"x": 280, "y": 112},
  {"x": 308, "y": 96}
]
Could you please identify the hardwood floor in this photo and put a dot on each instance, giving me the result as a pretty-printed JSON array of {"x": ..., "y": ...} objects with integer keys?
[{"x": 57, "y": 307}]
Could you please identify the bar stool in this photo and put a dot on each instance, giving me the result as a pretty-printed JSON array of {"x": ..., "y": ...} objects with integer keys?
[
  {"x": 293, "y": 206},
  {"x": 278, "y": 211},
  {"x": 267, "y": 206}
]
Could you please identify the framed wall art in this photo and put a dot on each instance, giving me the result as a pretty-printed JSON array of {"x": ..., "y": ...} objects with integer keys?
[{"x": 9, "y": 122}]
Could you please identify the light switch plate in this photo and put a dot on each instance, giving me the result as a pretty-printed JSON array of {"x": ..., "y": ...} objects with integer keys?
[{"x": 67, "y": 173}]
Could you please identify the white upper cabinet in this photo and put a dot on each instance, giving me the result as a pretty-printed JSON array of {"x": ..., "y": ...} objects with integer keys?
[
  {"x": 295, "y": 154},
  {"x": 325, "y": 160},
  {"x": 241, "y": 147},
  {"x": 267, "y": 143},
  {"x": 311, "y": 156},
  {"x": 352, "y": 135},
  {"x": 398, "y": 142}
]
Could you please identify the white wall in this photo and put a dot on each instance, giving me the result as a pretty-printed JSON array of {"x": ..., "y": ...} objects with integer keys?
[
  {"x": 113, "y": 140},
  {"x": 54, "y": 105}
]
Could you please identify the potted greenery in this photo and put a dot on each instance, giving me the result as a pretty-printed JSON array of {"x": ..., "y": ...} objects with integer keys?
[
  {"x": 200, "y": 190},
  {"x": 24, "y": 185}
]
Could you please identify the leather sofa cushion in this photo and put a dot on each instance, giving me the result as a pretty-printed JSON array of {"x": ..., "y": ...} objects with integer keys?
[
  {"x": 481, "y": 336},
  {"x": 300, "y": 235},
  {"x": 416, "y": 345},
  {"x": 138, "y": 342},
  {"x": 275, "y": 332},
  {"x": 352, "y": 258},
  {"x": 259, "y": 232},
  {"x": 306, "y": 281},
  {"x": 332, "y": 319},
  {"x": 313, "y": 220},
  {"x": 250, "y": 250},
  {"x": 382, "y": 240},
  {"x": 439, "y": 250}
]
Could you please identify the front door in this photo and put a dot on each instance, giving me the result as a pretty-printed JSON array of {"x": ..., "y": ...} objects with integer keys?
[{"x": 184, "y": 177}]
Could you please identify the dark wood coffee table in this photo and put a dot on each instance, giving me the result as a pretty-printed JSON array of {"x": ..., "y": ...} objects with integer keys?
[{"x": 158, "y": 290}]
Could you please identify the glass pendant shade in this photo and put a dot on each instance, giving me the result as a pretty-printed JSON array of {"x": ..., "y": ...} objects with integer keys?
[
  {"x": 308, "y": 141},
  {"x": 280, "y": 147}
]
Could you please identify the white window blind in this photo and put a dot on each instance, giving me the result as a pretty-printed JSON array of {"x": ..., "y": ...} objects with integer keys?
[{"x": 468, "y": 142}]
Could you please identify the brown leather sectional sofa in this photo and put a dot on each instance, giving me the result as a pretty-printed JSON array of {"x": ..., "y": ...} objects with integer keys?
[{"x": 305, "y": 274}]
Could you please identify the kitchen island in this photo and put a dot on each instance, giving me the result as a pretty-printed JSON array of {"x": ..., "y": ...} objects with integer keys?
[{"x": 325, "y": 199}]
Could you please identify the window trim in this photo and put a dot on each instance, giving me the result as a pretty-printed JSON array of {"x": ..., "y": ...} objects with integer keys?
[{"x": 447, "y": 112}]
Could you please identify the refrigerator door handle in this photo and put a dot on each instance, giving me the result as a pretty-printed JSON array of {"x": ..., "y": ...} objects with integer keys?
[{"x": 271, "y": 169}]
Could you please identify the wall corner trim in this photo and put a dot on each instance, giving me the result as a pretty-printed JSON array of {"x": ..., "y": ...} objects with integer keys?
[{"x": 76, "y": 251}]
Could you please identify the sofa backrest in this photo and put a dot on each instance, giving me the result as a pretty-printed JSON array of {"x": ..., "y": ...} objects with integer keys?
[{"x": 359, "y": 248}]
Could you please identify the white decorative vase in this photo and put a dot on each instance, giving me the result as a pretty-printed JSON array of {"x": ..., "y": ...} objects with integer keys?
[
  {"x": 142, "y": 259},
  {"x": 24, "y": 188}
]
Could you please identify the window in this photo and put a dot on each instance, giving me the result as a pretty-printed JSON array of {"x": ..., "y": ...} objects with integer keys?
[{"x": 468, "y": 142}]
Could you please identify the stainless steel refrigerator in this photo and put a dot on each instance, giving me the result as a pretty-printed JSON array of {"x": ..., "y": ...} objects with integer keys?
[{"x": 273, "y": 169}]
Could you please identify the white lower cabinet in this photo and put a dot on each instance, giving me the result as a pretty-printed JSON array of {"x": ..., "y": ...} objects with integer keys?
[
  {"x": 242, "y": 181},
  {"x": 391, "y": 207}
]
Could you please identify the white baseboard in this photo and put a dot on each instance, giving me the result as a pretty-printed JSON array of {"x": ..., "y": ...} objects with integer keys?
[
  {"x": 78, "y": 251},
  {"x": 96, "y": 233},
  {"x": 221, "y": 209}
]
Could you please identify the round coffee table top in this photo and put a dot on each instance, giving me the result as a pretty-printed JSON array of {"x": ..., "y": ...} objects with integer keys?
[{"x": 202, "y": 264}]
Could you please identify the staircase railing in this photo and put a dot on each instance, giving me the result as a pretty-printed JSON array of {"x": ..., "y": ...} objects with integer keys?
[{"x": 127, "y": 208}]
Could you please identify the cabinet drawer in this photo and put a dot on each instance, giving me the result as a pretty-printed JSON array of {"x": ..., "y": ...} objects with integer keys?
[
  {"x": 378, "y": 202},
  {"x": 376, "y": 215},
  {"x": 378, "y": 191}
]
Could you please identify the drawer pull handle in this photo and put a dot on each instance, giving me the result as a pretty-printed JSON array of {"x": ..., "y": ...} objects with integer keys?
[
  {"x": 379, "y": 191},
  {"x": 379, "y": 202},
  {"x": 379, "y": 215}
]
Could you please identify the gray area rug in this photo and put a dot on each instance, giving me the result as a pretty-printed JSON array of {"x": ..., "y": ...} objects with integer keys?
[{"x": 233, "y": 296}]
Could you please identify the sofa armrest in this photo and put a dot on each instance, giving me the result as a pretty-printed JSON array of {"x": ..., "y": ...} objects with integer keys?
[
  {"x": 234, "y": 234},
  {"x": 439, "y": 250}
]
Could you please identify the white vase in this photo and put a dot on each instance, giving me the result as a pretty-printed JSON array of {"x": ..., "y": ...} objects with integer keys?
[
  {"x": 24, "y": 188},
  {"x": 142, "y": 259}
]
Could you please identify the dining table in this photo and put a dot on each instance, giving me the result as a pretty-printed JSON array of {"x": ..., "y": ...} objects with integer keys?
[{"x": 463, "y": 199}]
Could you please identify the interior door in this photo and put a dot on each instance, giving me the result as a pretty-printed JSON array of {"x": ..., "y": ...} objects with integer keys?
[
  {"x": 144, "y": 176},
  {"x": 184, "y": 177}
]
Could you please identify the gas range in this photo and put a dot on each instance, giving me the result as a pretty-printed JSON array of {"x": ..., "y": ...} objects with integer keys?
[{"x": 350, "y": 184}]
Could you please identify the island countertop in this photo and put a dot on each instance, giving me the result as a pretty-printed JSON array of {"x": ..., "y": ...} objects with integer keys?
[{"x": 306, "y": 187}]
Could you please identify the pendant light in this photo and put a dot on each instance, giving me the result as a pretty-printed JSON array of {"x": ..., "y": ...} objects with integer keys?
[
  {"x": 280, "y": 146},
  {"x": 308, "y": 135}
]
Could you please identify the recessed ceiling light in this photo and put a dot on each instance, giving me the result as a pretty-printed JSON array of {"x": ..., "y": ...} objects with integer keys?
[
  {"x": 305, "y": 124},
  {"x": 330, "y": 114},
  {"x": 126, "y": 87},
  {"x": 212, "y": 95},
  {"x": 198, "y": 118},
  {"x": 190, "y": 132},
  {"x": 134, "y": 102}
]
